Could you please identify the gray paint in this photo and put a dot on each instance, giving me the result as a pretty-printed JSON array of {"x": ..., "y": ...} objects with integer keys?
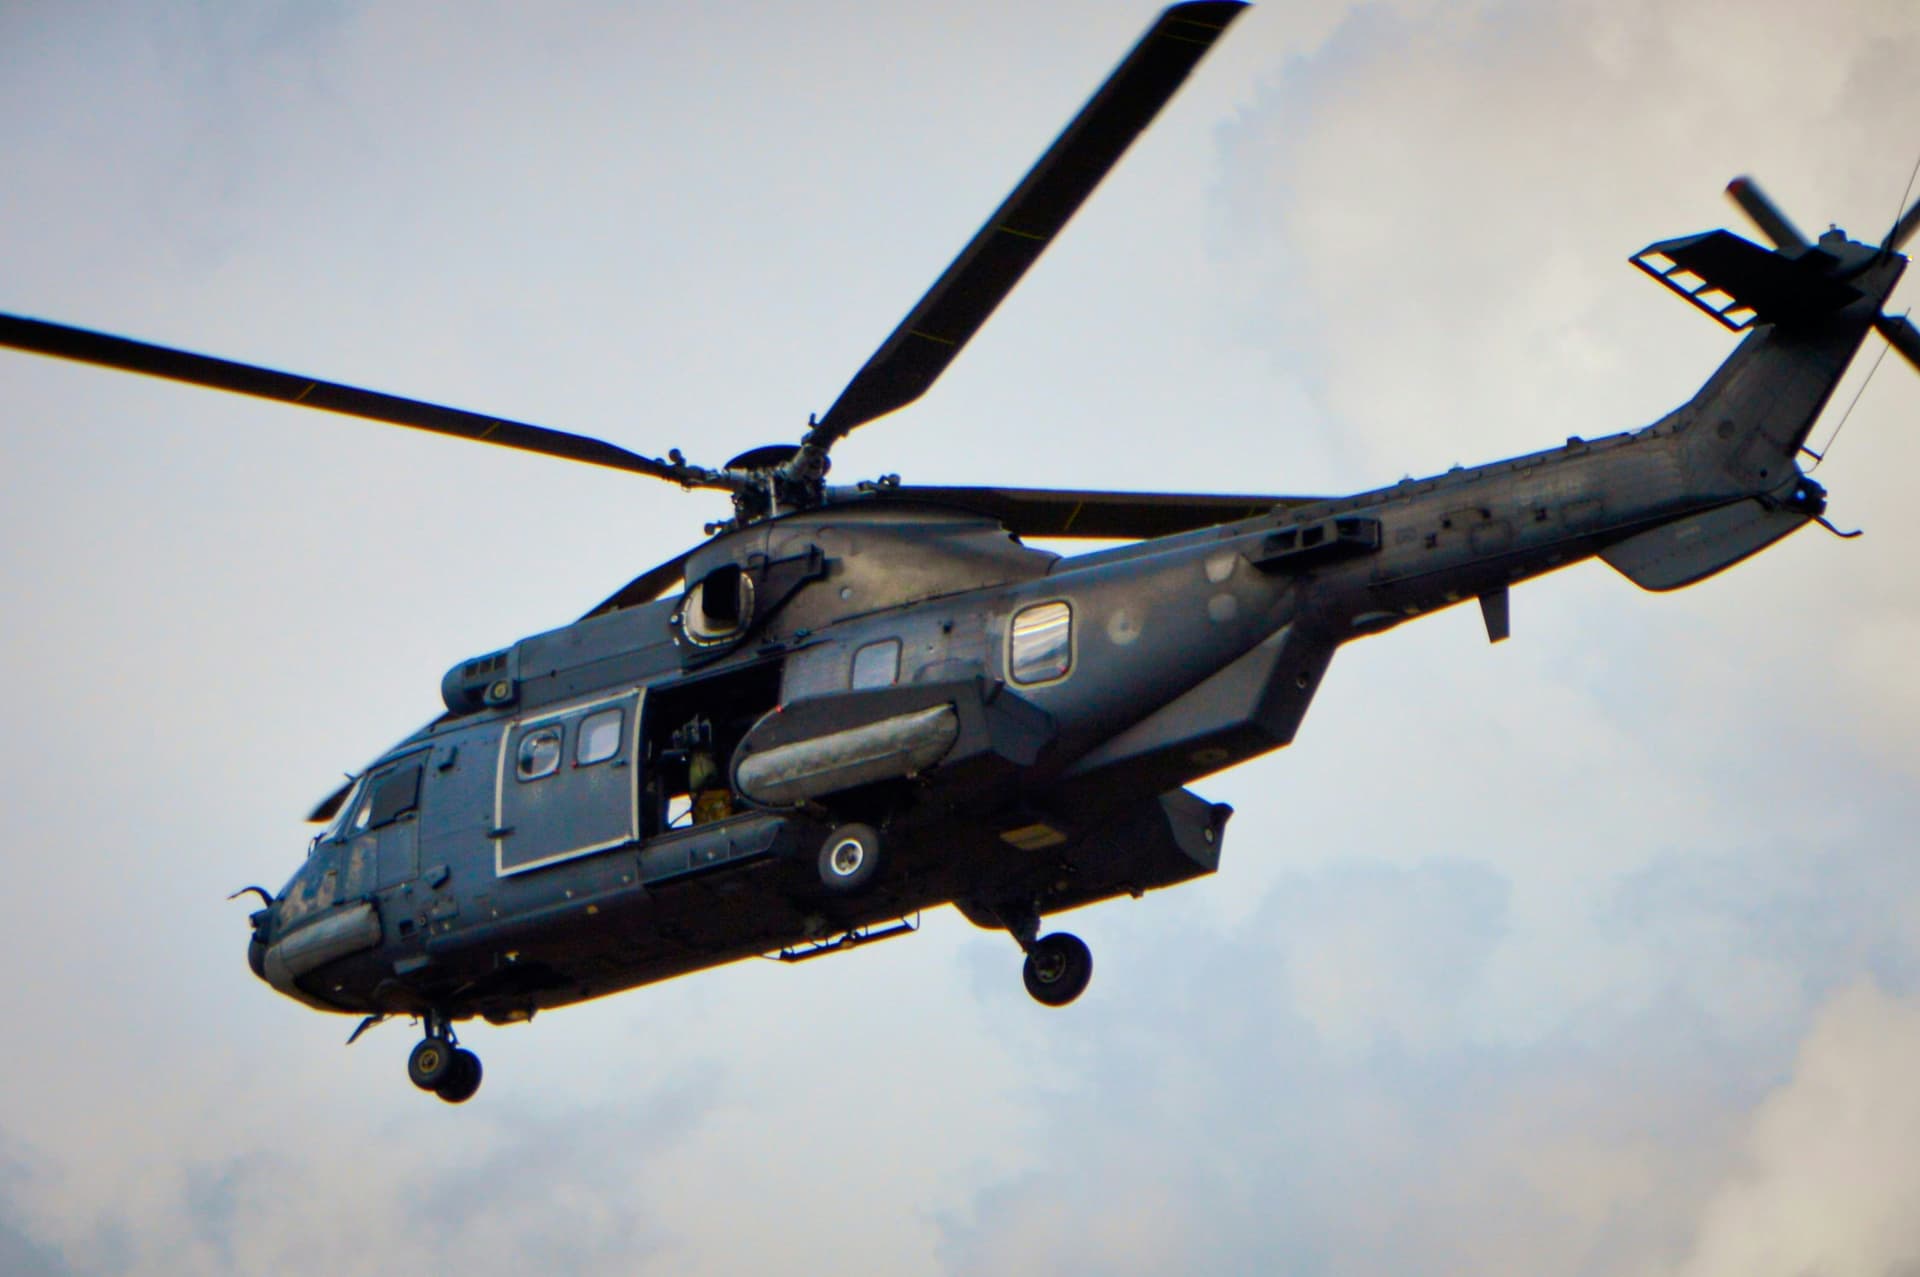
[{"x": 1188, "y": 654}]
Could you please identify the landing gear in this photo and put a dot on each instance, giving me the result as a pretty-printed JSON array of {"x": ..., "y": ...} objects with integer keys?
[
  {"x": 431, "y": 1063},
  {"x": 463, "y": 1080},
  {"x": 850, "y": 859},
  {"x": 441, "y": 1065},
  {"x": 1058, "y": 966},
  {"x": 1057, "y": 969}
]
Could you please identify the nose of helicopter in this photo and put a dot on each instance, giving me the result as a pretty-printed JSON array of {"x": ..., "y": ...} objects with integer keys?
[{"x": 257, "y": 942}]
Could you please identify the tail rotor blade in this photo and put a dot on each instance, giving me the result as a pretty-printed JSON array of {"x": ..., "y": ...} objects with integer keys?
[
  {"x": 1903, "y": 229},
  {"x": 1766, "y": 215},
  {"x": 1902, "y": 335}
]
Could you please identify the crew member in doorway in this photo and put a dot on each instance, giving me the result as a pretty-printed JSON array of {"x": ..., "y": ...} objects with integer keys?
[{"x": 708, "y": 783}]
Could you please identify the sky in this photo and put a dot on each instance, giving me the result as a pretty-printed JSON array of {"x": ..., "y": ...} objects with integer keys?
[{"x": 1593, "y": 952}]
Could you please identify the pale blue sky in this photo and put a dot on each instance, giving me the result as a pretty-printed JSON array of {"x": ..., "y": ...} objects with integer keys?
[{"x": 1595, "y": 952}]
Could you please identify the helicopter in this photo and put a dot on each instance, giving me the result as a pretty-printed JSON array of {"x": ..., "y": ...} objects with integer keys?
[{"x": 852, "y": 704}]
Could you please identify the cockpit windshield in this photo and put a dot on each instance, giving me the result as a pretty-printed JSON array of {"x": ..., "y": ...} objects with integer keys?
[{"x": 348, "y": 806}]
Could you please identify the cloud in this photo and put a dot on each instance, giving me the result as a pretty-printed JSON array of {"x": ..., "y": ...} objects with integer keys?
[
  {"x": 1395, "y": 1125},
  {"x": 1436, "y": 201},
  {"x": 1511, "y": 956},
  {"x": 564, "y": 1183},
  {"x": 21, "y": 1253},
  {"x": 1828, "y": 1180}
]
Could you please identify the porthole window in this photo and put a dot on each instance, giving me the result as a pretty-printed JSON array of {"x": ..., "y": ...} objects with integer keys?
[
  {"x": 599, "y": 738},
  {"x": 1041, "y": 647},
  {"x": 539, "y": 754},
  {"x": 876, "y": 665}
]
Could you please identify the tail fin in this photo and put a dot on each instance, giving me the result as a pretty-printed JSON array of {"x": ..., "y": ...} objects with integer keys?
[{"x": 1805, "y": 307}]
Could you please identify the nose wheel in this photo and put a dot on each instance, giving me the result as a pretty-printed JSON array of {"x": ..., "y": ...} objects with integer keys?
[{"x": 440, "y": 1064}]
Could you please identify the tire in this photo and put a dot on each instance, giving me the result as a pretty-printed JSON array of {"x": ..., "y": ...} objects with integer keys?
[
  {"x": 850, "y": 859},
  {"x": 463, "y": 1079},
  {"x": 431, "y": 1063},
  {"x": 1057, "y": 969}
]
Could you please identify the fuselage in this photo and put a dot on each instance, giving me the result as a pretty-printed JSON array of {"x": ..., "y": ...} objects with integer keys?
[
  {"x": 641, "y": 793},
  {"x": 460, "y": 876}
]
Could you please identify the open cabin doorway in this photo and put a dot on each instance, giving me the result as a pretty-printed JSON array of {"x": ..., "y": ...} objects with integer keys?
[{"x": 689, "y": 733}]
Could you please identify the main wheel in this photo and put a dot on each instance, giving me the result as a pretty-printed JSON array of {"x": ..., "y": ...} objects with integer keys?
[
  {"x": 431, "y": 1063},
  {"x": 1058, "y": 968},
  {"x": 463, "y": 1079},
  {"x": 850, "y": 859}
]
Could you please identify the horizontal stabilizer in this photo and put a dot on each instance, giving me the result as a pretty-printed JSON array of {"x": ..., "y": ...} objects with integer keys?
[
  {"x": 1694, "y": 548},
  {"x": 1739, "y": 283}
]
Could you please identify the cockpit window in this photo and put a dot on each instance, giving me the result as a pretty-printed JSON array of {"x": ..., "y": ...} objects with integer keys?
[
  {"x": 349, "y": 812},
  {"x": 539, "y": 754},
  {"x": 381, "y": 800},
  {"x": 394, "y": 795}
]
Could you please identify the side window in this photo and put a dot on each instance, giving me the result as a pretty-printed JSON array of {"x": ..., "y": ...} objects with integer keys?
[
  {"x": 876, "y": 665},
  {"x": 539, "y": 754},
  {"x": 599, "y": 738},
  {"x": 387, "y": 798},
  {"x": 1040, "y": 646}
]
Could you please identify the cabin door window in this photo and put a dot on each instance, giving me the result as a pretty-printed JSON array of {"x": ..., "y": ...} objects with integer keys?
[{"x": 567, "y": 783}]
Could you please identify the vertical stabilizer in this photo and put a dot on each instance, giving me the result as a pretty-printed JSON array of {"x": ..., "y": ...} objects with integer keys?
[{"x": 1805, "y": 307}]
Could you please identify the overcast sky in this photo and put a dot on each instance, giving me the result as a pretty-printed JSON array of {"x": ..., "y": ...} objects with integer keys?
[{"x": 1596, "y": 952}]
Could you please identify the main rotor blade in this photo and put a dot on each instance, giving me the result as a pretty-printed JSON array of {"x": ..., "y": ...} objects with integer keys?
[
  {"x": 987, "y": 269},
  {"x": 1903, "y": 229},
  {"x": 325, "y": 809},
  {"x": 1766, "y": 215},
  {"x": 1119, "y": 516},
  {"x": 1901, "y": 335},
  {"x": 645, "y": 588},
  {"x": 89, "y": 347}
]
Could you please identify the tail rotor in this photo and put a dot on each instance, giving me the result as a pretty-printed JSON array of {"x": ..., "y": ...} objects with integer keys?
[
  {"x": 1903, "y": 229},
  {"x": 1899, "y": 331},
  {"x": 1753, "y": 201},
  {"x": 1901, "y": 335}
]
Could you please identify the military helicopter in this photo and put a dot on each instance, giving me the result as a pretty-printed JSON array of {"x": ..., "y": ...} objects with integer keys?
[{"x": 851, "y": 704}]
